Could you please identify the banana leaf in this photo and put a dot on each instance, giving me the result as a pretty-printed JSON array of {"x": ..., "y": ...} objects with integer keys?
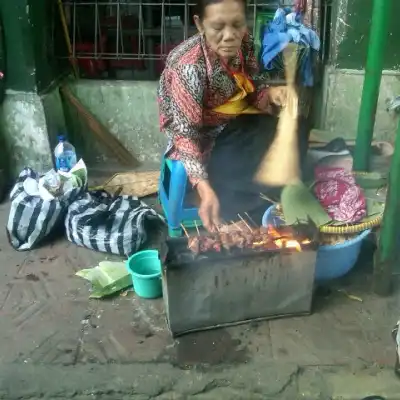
[
  {"x": 371, "y": 180},
  {"x": 107, "y": 278},
  {"x": 300, "y": 206}
]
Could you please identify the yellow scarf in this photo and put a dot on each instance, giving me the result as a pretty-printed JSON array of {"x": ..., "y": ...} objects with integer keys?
[{"x": 238, "y": 104}]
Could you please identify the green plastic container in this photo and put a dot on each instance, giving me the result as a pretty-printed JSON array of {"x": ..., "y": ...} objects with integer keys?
[{"x": 145, "y": 269}]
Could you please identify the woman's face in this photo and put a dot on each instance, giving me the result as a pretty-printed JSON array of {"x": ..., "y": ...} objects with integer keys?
[{"x": 224, "y": 25}]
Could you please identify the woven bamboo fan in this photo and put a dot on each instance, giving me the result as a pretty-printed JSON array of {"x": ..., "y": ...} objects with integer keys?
[
  {"x": 369, "y": 223},
  {"x": 138, "y": 184}
]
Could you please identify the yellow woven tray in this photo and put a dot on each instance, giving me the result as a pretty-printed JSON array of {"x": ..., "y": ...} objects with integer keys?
[{"x": 355, "y": 228}]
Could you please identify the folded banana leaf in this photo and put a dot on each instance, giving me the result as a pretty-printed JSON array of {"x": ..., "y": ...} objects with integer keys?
[
  {"x": 107, "y": 278},
  {"x": 371, "y": 180},
  {"x": 300, "y": 206}
]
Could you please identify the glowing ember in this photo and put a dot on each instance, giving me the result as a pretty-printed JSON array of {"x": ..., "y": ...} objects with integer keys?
[
  {"x": 283, "y": 243},
  {"x": 294, "y": 244}
]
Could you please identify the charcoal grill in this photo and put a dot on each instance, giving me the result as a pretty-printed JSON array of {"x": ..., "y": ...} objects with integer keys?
[{"x": 212, "y": 289}]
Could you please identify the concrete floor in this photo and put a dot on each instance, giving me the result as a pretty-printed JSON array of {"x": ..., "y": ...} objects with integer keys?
[{"x": 55, "y": 343}]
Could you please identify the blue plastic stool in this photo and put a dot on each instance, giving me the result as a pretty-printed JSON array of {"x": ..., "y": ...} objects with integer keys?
[{"x": 172, "y": 193}]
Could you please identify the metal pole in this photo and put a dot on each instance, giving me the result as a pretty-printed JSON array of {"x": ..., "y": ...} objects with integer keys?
[
  {"x": 388, "y": 243},
  {"x": 372, "y": 81}
]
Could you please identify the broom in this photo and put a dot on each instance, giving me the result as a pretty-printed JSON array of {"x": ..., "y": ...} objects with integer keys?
[
  {"x": 281, "y": 165},
  {"x": 284, "y": 148}
]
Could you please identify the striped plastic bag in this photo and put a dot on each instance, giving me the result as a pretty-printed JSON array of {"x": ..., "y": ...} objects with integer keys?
[
  {"x": 109, "y": 223},
  {"x": 396, "y": 338},
  {"x": 31, "y": 218}
]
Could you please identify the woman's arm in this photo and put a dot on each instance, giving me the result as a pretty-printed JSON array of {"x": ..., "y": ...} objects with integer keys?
[{"x": 181, "y": 114}]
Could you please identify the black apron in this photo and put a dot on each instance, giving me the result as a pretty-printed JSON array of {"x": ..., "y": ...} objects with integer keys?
[{"x": 238, "y": 152}]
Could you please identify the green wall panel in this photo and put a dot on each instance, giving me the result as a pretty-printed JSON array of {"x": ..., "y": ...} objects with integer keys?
[
  {"x": 20, "y": 70},
  {"x": 48, "y": 42},
  {"x": 353, "y": 48},
  {"x": 32, "y": 34}
]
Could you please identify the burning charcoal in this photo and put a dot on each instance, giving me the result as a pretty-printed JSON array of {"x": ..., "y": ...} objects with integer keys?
[{"x": 260, "y": 242}]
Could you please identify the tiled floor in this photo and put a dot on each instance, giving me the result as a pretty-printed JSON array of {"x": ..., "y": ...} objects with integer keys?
[{"x": 46, "y": 317}]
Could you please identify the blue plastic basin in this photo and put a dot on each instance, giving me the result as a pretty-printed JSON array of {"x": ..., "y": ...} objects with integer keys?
[
  {"x": 333, "y": 261},
  {"x": 145, "y": 268}
]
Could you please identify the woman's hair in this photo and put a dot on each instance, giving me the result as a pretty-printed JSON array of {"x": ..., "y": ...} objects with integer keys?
[{"x": 201, "y": 6}]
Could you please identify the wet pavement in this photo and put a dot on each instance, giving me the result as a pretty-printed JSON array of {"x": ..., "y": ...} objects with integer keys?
[{"x": 48, "y": 322}]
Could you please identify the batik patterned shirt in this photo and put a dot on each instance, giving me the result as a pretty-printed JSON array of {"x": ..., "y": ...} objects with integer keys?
[{"x": 193, "y": 83}]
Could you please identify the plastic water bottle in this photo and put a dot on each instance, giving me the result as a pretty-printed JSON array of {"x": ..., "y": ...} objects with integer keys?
[{"x": 64, "y": 154}]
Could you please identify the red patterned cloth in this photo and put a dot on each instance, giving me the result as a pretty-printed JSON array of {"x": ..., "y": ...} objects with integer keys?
[
  {"x": 193, "y": 83},
  {"x": 339, "y": 194}
]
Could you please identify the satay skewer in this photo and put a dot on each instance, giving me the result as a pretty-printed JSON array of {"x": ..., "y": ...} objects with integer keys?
[
  {"x": 251, "y": 219},
  {"x": 185, "y": 231},
  {"x": 236, "y": 226},
  {"x": 197, "y": 228},
  {"x": 244, "y": 221}
]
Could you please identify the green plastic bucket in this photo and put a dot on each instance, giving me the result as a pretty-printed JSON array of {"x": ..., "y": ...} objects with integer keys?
[{"x": 145, "y": 269}]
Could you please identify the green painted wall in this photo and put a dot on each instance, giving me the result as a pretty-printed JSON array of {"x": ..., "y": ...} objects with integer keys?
[
  {"x": 48, "y": 42},
  {"x": 20, "y": 71},
  {"x": 352, "y": 50},
  {"x": 31, "y": 114},
  {"x": 128, "y": 109},
  {"x": 30, "y": 44}
]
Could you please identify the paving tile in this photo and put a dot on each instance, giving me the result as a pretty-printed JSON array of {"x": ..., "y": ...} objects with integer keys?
[
  {"x": 42, "y": 304},
  {"x": 41, "y": 328},
  {"x": 126, "y": 329},
  {"x": 342, "y": 332},
  {"x": 255, "y": 338},
  {"x": 47, "y": 317}
]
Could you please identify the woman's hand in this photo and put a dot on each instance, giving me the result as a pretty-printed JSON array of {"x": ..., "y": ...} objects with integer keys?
[
  {"x": 278, "y": 95},
  {"x": 209, "y": 206}
]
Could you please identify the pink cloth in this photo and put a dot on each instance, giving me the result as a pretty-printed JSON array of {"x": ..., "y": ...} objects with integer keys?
[{"x": 339, "y": 194}]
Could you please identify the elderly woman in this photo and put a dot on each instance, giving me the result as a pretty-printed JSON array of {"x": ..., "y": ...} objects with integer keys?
[{"x": 217, "y": 116}]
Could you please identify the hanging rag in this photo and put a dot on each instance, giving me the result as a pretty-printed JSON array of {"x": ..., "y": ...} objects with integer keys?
[
  {"x": 300, "y": 6},
  {"x": 339, "y": 194},
  {"x": 238, "y": 103},
  {"x": 288, "y": 27}
]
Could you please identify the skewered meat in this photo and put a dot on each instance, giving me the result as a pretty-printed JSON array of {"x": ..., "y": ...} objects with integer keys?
[
  {"x": 238, "y": 239},
  {"x": 223, "y": 240},
  {"x": 226, "y": 240},
  {"x": 203, "y": 244},
  {"x": 208, "y": 243}
]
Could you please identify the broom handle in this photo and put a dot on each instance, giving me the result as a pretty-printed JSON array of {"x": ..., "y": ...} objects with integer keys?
[{"x": 290, "y": 61}]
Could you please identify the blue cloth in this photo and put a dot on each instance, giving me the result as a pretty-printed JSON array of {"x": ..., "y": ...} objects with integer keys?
[{"x": 287, "y": 27}]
